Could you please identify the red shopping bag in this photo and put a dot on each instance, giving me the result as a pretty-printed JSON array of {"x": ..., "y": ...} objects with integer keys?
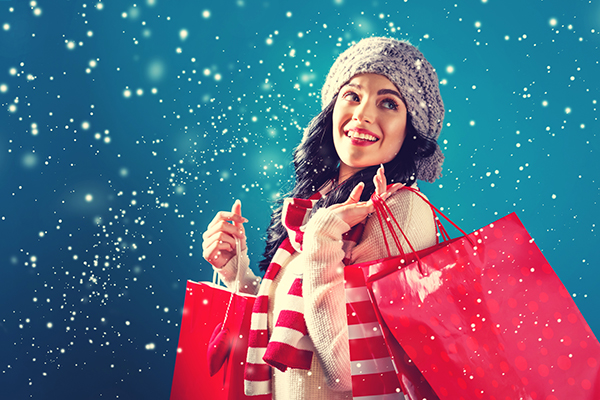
[
  {"x": 484, "y": 316},
  {"x": 206, "y": 305}
]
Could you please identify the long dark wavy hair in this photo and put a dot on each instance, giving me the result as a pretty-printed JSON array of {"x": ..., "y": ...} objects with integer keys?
[{"x": 316, "y": 162}]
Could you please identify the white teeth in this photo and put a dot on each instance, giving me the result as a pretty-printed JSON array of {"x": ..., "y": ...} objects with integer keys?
[{"x": 364, "y": 136}]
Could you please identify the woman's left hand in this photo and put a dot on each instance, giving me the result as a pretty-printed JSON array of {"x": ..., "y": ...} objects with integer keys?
[{"x": 354, "y": 211}]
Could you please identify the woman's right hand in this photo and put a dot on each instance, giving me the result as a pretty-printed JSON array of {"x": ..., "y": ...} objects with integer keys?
[{"x": 218, "y": 242}]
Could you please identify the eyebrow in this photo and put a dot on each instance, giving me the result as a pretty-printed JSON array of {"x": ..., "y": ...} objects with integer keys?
[{"x": 381, "y": 91}]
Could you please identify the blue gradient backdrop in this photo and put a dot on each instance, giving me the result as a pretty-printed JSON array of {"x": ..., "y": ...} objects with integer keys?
[{"x": 124, "y": 126}]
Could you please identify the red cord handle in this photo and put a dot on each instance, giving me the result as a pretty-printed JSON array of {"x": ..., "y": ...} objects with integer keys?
[{"x": 385, "y": 216}]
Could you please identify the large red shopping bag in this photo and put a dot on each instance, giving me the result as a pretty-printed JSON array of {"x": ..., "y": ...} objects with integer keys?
[
  {"x": 484, "y": 316},
  {"x": 206, "y": 305}
]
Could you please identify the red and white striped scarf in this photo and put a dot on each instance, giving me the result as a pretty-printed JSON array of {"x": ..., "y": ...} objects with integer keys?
[{"x": 289, "y": 345}]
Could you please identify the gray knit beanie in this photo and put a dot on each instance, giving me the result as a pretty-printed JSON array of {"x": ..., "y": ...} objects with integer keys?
[{"x": 407, "y": 68}]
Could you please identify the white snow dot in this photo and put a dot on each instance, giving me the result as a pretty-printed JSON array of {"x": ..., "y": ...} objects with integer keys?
[
  {"x": 450, "y": 69},
  {"x": 183, "y": 34},
  {"x": 568, "y": 110},
  {"x": 3, "y": 88},
  {"x": 553, "y": 196},
  {"x": 553, "y": 22},
  {"x": 89, "y": 197},
  {"x": 85, "y": 125},
  {"x": 206, "y": 14},
  {"x": 6, "y": 26},
  {"x": 126, "y": 93}
]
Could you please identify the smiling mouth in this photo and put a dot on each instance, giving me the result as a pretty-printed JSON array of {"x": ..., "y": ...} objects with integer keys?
[{"x": 353, "y": 134}]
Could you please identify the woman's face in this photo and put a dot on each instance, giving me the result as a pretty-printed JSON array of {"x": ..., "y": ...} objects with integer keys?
[{"x": 369, "y": 123}]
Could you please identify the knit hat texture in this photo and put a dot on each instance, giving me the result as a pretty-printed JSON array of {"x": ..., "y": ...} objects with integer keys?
[{"x": 407, "y": 68}]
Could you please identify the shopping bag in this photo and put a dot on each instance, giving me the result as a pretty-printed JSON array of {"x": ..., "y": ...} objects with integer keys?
[
  {"x": 213, "y": 315},
  {"x": 204, "y": 308},
  {"x": 484, "y": 316}
]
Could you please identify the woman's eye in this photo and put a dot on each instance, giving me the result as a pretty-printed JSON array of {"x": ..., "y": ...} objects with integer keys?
[
  {"x": 389, "y": 104},
  {"x": 351, "y": 96}
]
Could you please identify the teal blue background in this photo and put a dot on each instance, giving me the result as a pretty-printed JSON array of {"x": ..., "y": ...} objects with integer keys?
[{"x": 100, "y": 235}]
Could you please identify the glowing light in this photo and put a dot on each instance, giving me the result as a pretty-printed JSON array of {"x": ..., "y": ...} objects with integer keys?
[
  {"x": 206, "y": 14},
  {"x": 553, "y": 22},
  {"x": 3, "y": 88},
  {"x": 450, "y": 69},
  {"x": 89, "y": 198}
]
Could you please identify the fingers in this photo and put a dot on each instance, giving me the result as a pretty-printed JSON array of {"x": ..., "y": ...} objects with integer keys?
[
  {"x": 223, "y": 226},
  {"x": 380, "y": 181},
  {"x": 235, "y": 215},
  {"x": 237, "y": 210},
  {"x": 217, "y": 254},
  {"x": 355, "y": 194},
  {"x": 219, "y": 240}
]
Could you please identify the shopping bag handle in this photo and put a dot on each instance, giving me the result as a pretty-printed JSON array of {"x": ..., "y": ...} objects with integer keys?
[
  {"x": 385, "y": 216},
  {"x": 436, "y": 210},
  {"x": 236, "y": 287}
]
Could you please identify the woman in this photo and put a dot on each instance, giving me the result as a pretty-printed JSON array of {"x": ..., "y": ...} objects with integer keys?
[{"x": 382, "y": 113}]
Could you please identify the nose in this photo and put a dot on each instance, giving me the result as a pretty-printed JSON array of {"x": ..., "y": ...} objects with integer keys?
[{"x": 364, "y": 112}]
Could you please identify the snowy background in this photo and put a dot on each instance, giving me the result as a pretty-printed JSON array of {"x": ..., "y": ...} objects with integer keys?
[{"x": 124, "y": 126}]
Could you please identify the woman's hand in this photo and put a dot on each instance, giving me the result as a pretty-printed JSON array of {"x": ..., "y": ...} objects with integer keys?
[
  {"x": 354, "y": 211},
  {"x": 218, "y": 242}
]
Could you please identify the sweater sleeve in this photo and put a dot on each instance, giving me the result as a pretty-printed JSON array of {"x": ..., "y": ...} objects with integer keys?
[
  {"x": 324, "y": 300},
  {"x": 323, "y": 283},
  {"x": 249, "y": 283}
]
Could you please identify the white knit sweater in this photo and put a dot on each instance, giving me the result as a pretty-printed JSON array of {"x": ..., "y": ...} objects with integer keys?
[{"x": 320, "y": 263}]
